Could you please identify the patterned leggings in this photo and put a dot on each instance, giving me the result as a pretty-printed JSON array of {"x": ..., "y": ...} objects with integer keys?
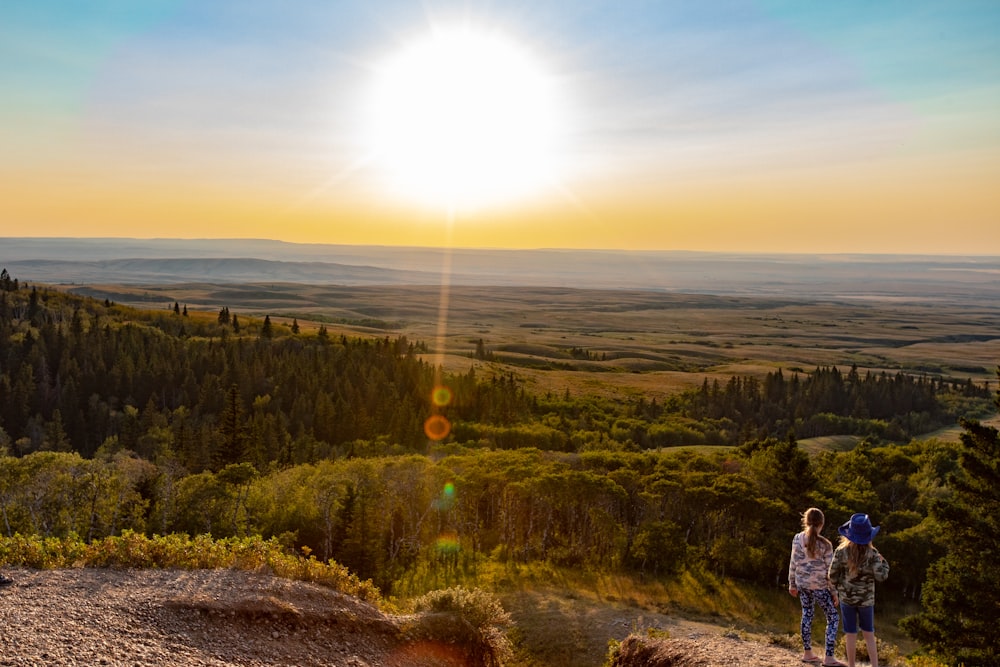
[{"x": 809, "y": 600}]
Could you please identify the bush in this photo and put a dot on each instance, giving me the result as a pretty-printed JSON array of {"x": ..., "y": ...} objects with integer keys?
[{"x": 474, "y": 620}]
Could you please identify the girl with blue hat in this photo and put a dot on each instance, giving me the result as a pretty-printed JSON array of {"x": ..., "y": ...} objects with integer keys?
[{"x": 856, "y": 566}]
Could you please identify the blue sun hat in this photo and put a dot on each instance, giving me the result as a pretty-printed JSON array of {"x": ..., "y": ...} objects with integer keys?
[{"x": 859, "y": 529}]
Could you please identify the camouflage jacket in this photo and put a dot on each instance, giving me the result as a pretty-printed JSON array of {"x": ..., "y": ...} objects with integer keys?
[
  {"x": 805, "y": 573},
  {"x": 859, "y": 590}
]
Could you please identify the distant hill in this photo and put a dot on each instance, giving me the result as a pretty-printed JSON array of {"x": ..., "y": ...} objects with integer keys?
[
  {"x": 169, "y": 261},
  {"x": 216, "y": 270}
]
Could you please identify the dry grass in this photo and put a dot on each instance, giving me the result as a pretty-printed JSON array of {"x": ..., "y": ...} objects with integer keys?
[
  {"x": 566, "y": 617},
  {"x": 836, "y": 443},
  {"x": 953, "y": 433}
]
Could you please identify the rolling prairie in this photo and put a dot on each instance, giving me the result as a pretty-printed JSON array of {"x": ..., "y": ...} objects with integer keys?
[
  {"x": 611, "y": 322},
  {"x": 619, "y": 342}
]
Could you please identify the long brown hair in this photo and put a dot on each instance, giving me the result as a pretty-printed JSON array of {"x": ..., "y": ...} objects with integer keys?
[
  {"x": 812, "y": 523},
  {"x": 857, "y": 554}
]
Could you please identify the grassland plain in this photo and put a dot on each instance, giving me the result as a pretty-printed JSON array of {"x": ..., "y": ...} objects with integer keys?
[{"x": 622, "y": 343}]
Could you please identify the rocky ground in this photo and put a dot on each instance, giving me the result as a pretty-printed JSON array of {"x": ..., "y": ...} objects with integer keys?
[{"x": 133, "y": 618}]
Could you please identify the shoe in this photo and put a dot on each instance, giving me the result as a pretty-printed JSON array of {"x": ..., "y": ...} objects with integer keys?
[
  {"x": 812, "y": 661},
  {"x": 5, "y": 580}
]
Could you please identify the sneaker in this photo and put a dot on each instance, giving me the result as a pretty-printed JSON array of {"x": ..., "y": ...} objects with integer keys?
[{"x": 5, "y": 580}]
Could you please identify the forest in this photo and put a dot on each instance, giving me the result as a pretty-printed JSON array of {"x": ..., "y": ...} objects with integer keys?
[{"x": 114, "y": 419}]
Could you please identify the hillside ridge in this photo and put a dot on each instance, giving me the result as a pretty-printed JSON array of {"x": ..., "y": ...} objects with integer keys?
[
  {"x": 841, "y": 277},
  {"x": 221, "y": 618}
]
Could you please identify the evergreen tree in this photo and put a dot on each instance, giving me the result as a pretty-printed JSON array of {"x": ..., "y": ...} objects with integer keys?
[
  {"x": 266, "y": 331},
  {"x": 961, "y": 611},
  {"x": 33, "y": 306},
  {"x": 295, "y": 326},
  {"x": 232, "y": 429}
]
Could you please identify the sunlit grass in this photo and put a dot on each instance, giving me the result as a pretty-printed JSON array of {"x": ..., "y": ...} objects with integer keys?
[
  {"x": 175, "y": 551},
  {"x": 767, "y": 612},
  {"x": 829, "y": 443}
]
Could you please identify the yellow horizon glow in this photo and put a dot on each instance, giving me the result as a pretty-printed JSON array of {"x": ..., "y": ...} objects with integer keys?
[{"x": 829, "y": 211}]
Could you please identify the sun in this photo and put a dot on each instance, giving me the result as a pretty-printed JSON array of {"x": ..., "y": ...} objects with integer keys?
[{"x": 465, "y": 118}]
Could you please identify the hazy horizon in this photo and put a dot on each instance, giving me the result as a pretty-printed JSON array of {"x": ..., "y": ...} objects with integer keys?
[
  {"x": 923, "y": 278},
  {"x": 403, "y": 246}
]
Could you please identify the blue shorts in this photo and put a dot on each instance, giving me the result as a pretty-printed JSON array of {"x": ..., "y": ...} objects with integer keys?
[{"x": 852, "y": 616}]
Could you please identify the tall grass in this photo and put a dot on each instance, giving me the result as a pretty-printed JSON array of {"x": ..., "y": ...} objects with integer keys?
[{"x": 693, "y": 593}]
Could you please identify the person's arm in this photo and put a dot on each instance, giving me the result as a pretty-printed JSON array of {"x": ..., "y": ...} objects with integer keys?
[
  {"x": 836, "y": 572},
  {"x": 880, "y": 566},
  {"x": 793, "y": 562},
  {"x": 828, "y": 557}
]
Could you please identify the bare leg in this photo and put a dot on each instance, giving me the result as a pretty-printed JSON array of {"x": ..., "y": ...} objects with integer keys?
[
  {"x": 872, "y": 647},
  {"x": 851, "y": 647}
]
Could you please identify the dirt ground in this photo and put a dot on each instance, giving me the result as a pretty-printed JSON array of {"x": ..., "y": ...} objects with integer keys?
[
  {"x": 139, "y": 618},
  {"x": 569, "y": 631},
  {"x": 219, "y": 618}
]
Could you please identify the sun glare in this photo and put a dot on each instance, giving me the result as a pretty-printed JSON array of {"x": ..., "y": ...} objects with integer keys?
[{"x": 463, "y": 118}]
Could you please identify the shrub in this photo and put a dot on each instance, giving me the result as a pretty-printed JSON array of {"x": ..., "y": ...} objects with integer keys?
[{"x": 473, "y": 619}]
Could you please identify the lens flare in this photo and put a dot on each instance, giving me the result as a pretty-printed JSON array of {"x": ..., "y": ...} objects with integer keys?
[
  {"x": 447, "y": 543},
  {"x": 447, "y": 499},
  {"x": 441, "y": 396},
  {"x": 437, "y": 427}
]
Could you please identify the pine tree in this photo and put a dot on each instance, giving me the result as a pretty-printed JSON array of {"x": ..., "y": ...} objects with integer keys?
[
  {"x": 960, "y": 612},
  {"x": 232, "y": 429}
]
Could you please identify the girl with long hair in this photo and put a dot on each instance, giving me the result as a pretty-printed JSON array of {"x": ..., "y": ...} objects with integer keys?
[{"x": 808, "y": 578}]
